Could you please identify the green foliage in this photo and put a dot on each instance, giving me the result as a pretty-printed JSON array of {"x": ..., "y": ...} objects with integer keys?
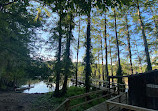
[
  {"x": 17, "y": 37},
  {"x": 16, "y": 40},
  {"x": 46, "y": 102},
  {"x": 72, "y": 91},
  {"x": 39, "y": 68}
]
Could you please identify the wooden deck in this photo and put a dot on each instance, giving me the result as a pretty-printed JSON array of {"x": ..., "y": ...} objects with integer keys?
[
  {"x": 99, "y": 85},
  {"x": 103, "y": 106},
  {"x": 99, "y": 107},
  {"x": 116, "y": 98}
]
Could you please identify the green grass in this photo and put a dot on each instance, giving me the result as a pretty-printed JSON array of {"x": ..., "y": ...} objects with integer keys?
[{"x": 47, "y": 102}]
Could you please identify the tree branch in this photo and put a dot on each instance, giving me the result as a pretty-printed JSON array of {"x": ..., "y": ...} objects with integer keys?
[{"x": 5, "y": 4}]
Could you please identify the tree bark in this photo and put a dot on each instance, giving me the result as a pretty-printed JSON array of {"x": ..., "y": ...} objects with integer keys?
[
  {"x": 129, "y": 45},
  {"x": 68, "y": 60},
  {"x": 149, "y": 67},
  {"x": 78, "y": 45},
  {"x": 106, "y": 54},
  {"x": 111, "y": 62},
  {"x": 119, "y": 71},
  {"x": 58, "y": 60},
  {"x": 88, "y": 56},
  {"x": 98, "y": 64},
  {"x": 101, "y": 42},
  {"x": 95, "y": 70}
]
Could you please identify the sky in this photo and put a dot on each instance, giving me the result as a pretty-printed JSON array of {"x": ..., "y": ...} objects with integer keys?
[{"x": 54, "y": 18}]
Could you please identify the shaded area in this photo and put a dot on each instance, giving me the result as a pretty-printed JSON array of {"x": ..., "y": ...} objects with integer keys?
[
  {"x": 17, "y": 101},
  {"x": 142, "y": 89}
]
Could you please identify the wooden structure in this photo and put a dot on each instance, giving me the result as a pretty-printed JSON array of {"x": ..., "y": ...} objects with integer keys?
[
  {"x": 100, "y": 84},
  {"x": 143, "y": 89},
  {"x": 23, "y": 88},
  {"x": 117, "y": 100},
  {"x": 104, "y": 92},
  {"x": 67, "y": 104},
  {"x": 120, "y": 103}
]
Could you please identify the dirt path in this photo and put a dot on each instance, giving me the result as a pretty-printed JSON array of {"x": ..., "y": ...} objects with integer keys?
[{"x": 11, "y": 101}]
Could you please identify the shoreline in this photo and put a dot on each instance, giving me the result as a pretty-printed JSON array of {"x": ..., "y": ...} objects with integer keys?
[{"x": 12, "y": 101}]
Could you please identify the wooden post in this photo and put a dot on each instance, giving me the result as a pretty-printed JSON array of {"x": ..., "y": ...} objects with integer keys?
[
  {"x": 107, "y": 106},
  {"x": 119, "y": 102},
  {"x": 109, "y": 87},
  {"x": 118, "y": 88},
  {"x": 126, "y": 98},
  {"x": 114, "y": 88},
  {"x": 68, "y": 105},
  {"x": 119, "y": 99}
]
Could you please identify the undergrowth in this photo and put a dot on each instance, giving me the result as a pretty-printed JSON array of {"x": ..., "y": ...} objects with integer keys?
[{"x": 47, "y": 102}]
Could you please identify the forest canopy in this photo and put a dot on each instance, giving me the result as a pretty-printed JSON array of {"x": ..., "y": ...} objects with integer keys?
[{"x": 64, "y": 38}]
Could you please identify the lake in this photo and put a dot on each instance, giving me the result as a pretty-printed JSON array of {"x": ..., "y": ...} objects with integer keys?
[{"x": 42, "y": 87}]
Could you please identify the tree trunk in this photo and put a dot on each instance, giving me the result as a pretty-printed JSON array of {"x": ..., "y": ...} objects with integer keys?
[
  {"x": 129, "y": 45},
  {"x": 119, "y": 71},
  {"x": 68, "y": 59},
  {"x": 88, "y": 56},
  {"x": 106, "y": 54},
  {"x": 101, "y": 42},
  {"x": 111, "y": 62},
  {"x": 98, "y": 64},
  {"x": 78, "y": 45},
  {"x": 95, "y": 70},
  {"x": 58, "y": 60},
  {"x": 64, "y": 88},
  {"x": 149, "y": 67}
]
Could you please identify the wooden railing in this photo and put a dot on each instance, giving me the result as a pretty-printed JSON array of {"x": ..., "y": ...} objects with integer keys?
[
  {"x": 100, "y": 84},
  {"x": 107, "y": 84},
  {"x": 110, "y": 87},
  {"x": 120, "y": 102},
  {"x": 64, "y": 106},
  {"x": 67, "y": 105}
]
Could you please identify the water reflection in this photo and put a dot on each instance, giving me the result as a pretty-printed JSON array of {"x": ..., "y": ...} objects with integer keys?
[{"x": 40, "y": 87}]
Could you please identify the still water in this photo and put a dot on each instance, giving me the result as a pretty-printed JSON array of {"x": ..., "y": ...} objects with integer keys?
[{"x": 42, "y": 87}]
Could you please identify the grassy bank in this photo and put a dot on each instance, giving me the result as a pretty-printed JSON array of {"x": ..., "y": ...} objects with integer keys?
[{"x": 47, "y": 102}]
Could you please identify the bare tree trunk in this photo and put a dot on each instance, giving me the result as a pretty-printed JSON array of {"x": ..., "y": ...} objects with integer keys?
[
  {"x": 149, "y": 67},
  {"x": 101, "y": 42},
  {"x": 119, "y": 71},
  {"x": 68, "y": 59},
  {"x": 106, "y": 54},
  {"x": 99, "y": 65},
  {"x": 111, "y": 62},
  {"x": 78, "y": 45},
  {"x": 88, "y": 56},
  {"x": 58, "y": 60},
  {"x": 129, "y": 45}
]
